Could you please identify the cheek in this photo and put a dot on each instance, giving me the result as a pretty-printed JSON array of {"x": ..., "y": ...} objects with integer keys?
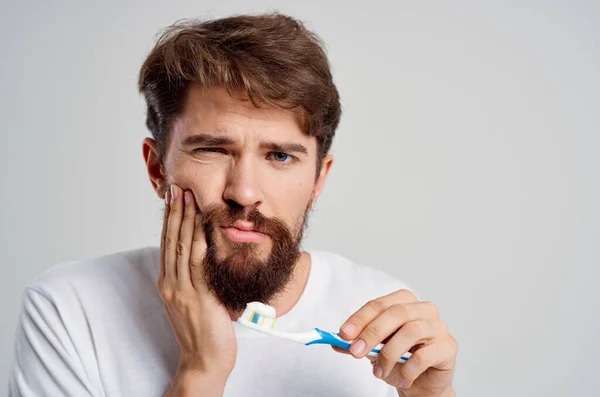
[
  {"x": 290, "y": 200},
  {"x": 205, "y": 181}
]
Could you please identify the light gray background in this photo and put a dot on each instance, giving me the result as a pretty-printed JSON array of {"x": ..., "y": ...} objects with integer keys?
[{"x": 467, "y": 162}]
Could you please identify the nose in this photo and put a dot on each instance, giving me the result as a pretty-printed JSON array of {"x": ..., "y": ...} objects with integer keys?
[{"x": 243, "y": 184}]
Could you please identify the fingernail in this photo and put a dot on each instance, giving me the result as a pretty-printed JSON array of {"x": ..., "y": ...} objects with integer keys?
[
  {"x": 167, "y": 194},
  {"x": 348, "y": 329},
  {"x": 187, "y": 197},
  {"x": 173, "y": 194},
  {"x": 357, "y": 347},
  {"x": 402, "y": 384},
  {"x": 377, "y": 371}
]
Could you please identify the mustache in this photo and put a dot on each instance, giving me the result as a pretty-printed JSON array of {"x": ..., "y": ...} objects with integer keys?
[{"x": 227, "y": 215}]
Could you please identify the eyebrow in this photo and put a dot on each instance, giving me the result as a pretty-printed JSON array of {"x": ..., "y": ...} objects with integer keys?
[
  {"x": 284, "y": 147},
  {"x": 211, "y": 140},
  {"x": 206, "y": 139}
]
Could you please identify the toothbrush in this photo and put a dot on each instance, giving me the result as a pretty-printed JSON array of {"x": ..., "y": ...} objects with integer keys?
[{"x": 261, "y": 317}]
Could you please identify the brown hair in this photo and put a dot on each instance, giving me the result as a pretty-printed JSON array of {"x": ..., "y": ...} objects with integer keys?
[{"x": 270, "y": 59}]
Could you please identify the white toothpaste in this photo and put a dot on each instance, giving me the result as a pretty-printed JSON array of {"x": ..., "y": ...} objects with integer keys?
[
  {"x": 262, "y": 309},
  {"x": 267, "y": 314}
]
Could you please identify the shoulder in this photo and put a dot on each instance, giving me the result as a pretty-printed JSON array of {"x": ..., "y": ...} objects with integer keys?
[
  {"x": 70, "y": 310},
  {"x": 93, "y": 276}
]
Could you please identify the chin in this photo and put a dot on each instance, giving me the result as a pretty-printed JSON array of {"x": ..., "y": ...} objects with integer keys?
[{"x": 243, "y": 251}]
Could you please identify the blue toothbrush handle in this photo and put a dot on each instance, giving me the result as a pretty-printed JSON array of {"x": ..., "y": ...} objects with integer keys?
[{"x": 334, "y": 339}]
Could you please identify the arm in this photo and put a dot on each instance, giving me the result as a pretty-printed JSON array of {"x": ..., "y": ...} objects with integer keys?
[{"x": 45, "y": 361}]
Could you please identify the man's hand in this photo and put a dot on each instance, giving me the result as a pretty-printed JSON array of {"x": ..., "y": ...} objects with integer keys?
[
  {"x": 404, "y": 324},
  {"x": 202, "y": 326}
]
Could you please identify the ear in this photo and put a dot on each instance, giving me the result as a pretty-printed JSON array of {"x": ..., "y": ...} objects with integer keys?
[
  {"x": 155, "y": 172},
  {"x": 323, "y": 174}
]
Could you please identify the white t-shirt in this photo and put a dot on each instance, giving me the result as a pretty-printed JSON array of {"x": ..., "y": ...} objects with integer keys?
[{"x": 98, "y": 328}]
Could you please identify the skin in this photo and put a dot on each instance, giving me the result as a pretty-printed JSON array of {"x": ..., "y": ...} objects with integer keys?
[
  {"x": 243, "y": 171},
  {"x": 263, "y": 160},
  {"x": 404, "y": 324}
]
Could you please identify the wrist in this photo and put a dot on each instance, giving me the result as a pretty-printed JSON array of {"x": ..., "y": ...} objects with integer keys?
[
  {"x": 449, "y": 393},
  {"x": 190, "y": 382},
  {"x": 194, "y": 369}
]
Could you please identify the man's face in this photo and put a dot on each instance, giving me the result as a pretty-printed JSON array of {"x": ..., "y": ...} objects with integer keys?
[{"x": 252, "y": 171}]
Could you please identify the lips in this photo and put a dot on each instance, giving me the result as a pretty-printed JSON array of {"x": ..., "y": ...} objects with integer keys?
[
  {"x": 246, "y": 227},
  {"x": 243, "y": 232}
]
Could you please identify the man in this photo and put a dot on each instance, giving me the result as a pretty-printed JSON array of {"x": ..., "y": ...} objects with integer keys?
[{"x": 242, "y": 111}]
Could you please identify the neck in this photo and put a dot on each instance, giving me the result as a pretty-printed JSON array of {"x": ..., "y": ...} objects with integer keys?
[{"x": 285, "y": 301}]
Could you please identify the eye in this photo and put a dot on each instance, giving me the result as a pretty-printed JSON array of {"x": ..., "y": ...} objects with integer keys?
[
  {"x": 281, "y": 157},
  {"x": 208, "y": 150}
]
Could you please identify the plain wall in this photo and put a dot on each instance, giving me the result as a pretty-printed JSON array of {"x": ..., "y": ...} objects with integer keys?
[{"x": 467, "y": 162}]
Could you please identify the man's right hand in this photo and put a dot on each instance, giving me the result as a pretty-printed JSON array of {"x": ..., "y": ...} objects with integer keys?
[{"x": 201, "y": 324}]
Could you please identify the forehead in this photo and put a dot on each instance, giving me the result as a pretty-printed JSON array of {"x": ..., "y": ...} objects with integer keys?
[{"x": 215, "y": 111}]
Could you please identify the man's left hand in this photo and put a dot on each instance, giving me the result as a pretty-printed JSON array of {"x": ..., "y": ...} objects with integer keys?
[{"x": 404, "y": 324}]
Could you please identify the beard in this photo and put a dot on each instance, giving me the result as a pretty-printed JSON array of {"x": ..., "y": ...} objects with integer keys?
[{"x": 243, "y": 275}]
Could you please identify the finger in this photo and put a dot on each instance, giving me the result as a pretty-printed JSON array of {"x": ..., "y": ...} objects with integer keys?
[
  {"x": 186, "y": 233},
  {"x": 389, "y": 322},
  {"x": 340, "y": 350},
  {"x": 163, "y": 236},
  {"x": 197, "y": 255},
  {"x": 437, "y": 356},
  {"x": 411, "y": 334},
  {"x": 372, "y": 359},
  {"x": 172, "y": 237},
  {"x": 355, "y": 324}
]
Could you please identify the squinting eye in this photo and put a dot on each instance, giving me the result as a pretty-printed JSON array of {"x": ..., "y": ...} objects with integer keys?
[
  {"x": 208, "y": 150},
  {"x": 281, "y": 157}
]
